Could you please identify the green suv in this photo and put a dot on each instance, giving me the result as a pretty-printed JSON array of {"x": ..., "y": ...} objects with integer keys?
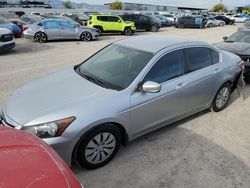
[{"x": 111, "y": 23}]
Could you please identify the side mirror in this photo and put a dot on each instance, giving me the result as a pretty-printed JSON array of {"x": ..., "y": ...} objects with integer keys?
[
  {"x": 119, "y": 21},
  {"x": 225, "y": 38},
  {"x": 151, "y": 87}
]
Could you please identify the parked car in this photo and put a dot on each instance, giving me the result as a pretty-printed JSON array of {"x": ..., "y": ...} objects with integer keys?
[
  {"x": 212, "y": 22},
  {"x": 13, "y": 18},
  {"x": 142, "y": 22},
  {"x": 73, "y": 17},
  {"x": 238, "y": 19},
  {"x": 26, "y": 161},
  {"x": 164, "y": 21},
  {"x": 12, "y": 27},
  {"x": 191, "y": 21},
  {"x": 228, "y": 21},
  {"x": 111, "y": 23},
  {"x": 120, "y": 93},
  {"x": 31, "y": 19},
  {"x": 83, "y": 17},
  {"x": 50, "y": 29},
  {"x": 171, "y": 17},
  {"x": 245, "y": 26},
  {"x": 239, "y": 44},
  {"x": 7, "y": 40}
]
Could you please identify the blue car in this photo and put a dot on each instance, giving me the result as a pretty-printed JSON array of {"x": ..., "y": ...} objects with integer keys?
[{"x": 8, "y": 25}]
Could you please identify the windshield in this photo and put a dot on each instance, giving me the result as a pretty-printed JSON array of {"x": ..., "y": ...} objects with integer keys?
[
  {"x": 114, "y": 67},
  {"x": 239, "y": 36}
]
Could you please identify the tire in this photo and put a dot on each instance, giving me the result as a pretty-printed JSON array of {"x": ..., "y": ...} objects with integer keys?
[
  {"x": 221, "y": 24},
  {"x": 98, "y": 146},
  {"x": 180, "y": 26},
  {"x": 221, "y": 98},
  {"x": 128, "y": 31},
  {"x": 210, "y": 25},
  {"x": 86, "y": 36},
  {"x": 40, "y": 37},
  {"x": 100, "y": 30},
  {"x": 154, "y": 28}
]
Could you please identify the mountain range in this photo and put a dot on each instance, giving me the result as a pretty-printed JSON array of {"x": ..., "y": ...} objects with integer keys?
[{"x": 59, "y": 4}]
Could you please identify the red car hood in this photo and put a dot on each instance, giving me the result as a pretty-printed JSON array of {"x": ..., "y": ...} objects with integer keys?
[{"x": 26, "y": 161}]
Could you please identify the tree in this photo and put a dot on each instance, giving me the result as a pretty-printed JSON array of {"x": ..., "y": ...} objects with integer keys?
[
  {"x": 1, "y": 6},
  {"x": 117, "y": 5},
  {"x": 245, "y": 10},
  {"x": 219, "y": 8},
  {"x": 67, "y": 5}
]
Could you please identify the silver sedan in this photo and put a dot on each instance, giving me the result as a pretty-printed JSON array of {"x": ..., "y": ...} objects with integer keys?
[
  {"x": 55, "y": 29},
  {"x": 127, "y": 89}
]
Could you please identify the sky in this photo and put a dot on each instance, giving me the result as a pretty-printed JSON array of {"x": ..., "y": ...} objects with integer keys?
[{"x": 192, "y": 3}]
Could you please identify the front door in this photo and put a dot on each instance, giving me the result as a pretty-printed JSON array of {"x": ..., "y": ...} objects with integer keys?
[
  {"x": 68, "y": 30},
  {"x": 150, "y": 110},
  {"x": 52, "y": 30}
]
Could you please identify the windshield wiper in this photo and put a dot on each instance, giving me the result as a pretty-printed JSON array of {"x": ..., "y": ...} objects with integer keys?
[{"x": 95, "y": 80}]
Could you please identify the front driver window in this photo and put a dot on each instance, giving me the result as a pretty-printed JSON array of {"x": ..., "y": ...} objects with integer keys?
[{"x": 168, "y": 67}]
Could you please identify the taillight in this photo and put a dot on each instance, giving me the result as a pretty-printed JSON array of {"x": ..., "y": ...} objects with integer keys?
[
  {"x": 242, "y": 64},
  {"x": 25, "y": 27}
]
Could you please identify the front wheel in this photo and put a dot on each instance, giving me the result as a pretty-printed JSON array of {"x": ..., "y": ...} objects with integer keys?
[
  {"x": 210, "y": 25},
  {"x": 222, "y": 98},
  {"x": 154, "y": 28},
  {"x": 86, "y": 36},
  {"x": 98, "y": 146},
  {"x": 128, "y": 31},
  {"x": 221, "y": 24},
  {"x": 40, "y": 37}
]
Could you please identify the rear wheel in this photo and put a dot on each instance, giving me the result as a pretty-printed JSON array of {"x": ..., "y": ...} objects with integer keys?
[
  {"x": 40, "y": 37},
  {"x": 99, "y": 30},
  {"x": 154, "y": 28},
  {"x": 221, "y": 24},
  {"x": 128, "y": 31},
  {"x": 222, "y": 97},
  {"x": 98, "y": 146},
  {"x": 86, "y": 36}
]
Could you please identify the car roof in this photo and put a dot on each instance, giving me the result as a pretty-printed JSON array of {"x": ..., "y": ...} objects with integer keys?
[{"x": 153, "y": 44}]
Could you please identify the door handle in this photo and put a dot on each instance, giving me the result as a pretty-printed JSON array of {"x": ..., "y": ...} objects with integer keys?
[
  {"x": 217, "y": 70},
  {"x": 180, "y": 85}
]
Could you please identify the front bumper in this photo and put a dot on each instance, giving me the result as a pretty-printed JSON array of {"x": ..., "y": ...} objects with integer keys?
[{"x": 6, "y": 47}]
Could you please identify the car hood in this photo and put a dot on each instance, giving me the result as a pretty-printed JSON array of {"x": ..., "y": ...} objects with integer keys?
[
  {"x": 51, "y": 93},
  {"x": 234, "y": 47}
]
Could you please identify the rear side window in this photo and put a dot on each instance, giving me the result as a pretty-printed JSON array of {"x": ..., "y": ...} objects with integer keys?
[
  {"x": 198, "y": 58},
  {"x": 113, "y": 19},
  {"x": 167, "y": 67},
  {"x": 215, "y": 56},
  {"x": 51, "y": 24},
  {"x": 102, "y": 18}
]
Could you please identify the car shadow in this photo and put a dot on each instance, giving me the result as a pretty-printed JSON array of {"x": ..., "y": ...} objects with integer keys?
[{"x": 172, "y": 156}]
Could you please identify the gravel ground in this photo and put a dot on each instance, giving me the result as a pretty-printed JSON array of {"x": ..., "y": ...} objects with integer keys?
[{"x": 205, "y": 150}]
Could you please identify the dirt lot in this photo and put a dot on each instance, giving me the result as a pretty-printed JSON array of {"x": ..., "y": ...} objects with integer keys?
[{"x": 206, "y": 150}]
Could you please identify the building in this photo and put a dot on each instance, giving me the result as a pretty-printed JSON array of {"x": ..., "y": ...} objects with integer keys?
[
  {"x": 155, "y": 8},
  {"x": 26, "y": 3}
]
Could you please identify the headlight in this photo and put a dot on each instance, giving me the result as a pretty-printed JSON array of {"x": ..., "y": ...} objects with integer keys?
[{"x": 48, "y": 130}]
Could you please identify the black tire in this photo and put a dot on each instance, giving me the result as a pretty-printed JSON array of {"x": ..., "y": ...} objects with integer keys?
[
  {"x": 210, "y": 25},
  {"x": 84, "y": 154},
  {"x": 180, "y": 25},
  {"x": 219, "y": 104},
  {"x": 154, "y": 28},
  {"x": 40, "y": 37},
  {"x": 86, "y": 36},
  {"x": 99, "y": 30},
  {"x": 128, "y": 31},
  {"x": 221, "y": 24}
]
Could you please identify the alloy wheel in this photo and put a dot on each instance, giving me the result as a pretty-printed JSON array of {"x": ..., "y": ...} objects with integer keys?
[
  {"x": 86, "y": 36},
  {"x": 40, "y": 37},
  {"x": 222, "y": 97}
]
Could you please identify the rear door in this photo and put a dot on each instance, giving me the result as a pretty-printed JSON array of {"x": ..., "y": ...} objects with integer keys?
[
  {"x": 52, "y": 29},
  {"x": 68, "y": 30},
  {"x": 202, "y": 69},
  {"x": 145, "y": 22},
  {"x": 116, "y": 23}
]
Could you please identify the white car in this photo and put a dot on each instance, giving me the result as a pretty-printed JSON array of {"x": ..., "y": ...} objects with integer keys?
[
  {"x": 212, "y": 22},
  {"x": 238, "y": 19},
  {"x": 7, "y": 40}
]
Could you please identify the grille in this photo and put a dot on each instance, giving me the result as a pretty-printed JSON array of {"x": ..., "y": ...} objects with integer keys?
[{"x": 6, "y": 37}]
